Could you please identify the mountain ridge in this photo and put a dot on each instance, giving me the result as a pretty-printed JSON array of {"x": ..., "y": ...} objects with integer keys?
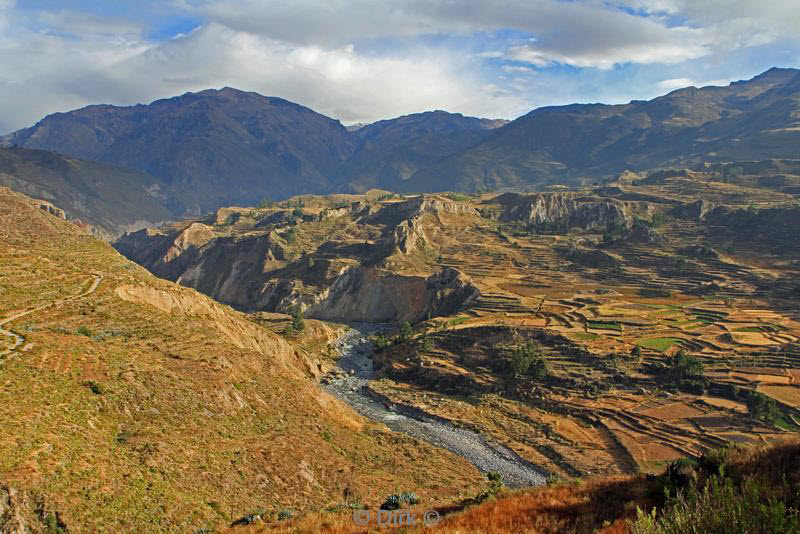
[{"x": 221, "y": 147}]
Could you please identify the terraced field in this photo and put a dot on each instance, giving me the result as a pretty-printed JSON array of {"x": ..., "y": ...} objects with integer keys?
[
  {"x": 612, "y": 284},
  {"x": 736, "y": 316}
]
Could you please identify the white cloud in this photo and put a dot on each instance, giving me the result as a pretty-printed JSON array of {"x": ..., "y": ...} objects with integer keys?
[
  {"x": 517, "y": 68},
  {"x": 360, "y": 60},
  {"x": 50, "y": 73},
  {"x": 582, "y": 33},
  {"x": 5, "y": 8},
  {"x": 680, "y": 83}
]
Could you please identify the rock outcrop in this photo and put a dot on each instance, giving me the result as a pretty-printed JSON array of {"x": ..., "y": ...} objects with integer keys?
[
  {"x": 372, "y": 295},
  {"x": 562, "y": 211}
]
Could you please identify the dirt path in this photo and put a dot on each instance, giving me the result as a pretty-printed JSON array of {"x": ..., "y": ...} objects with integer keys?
[
  {"x": 483, "y": 453},
  {"x": 18, "y": 338}
]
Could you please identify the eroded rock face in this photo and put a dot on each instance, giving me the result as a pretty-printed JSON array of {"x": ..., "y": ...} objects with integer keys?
[
  {"x": 259, "y": 268},
  {"x": 567, "y": 210},
  {"x": 406, "y": 237},
  {"x": 373, "y": 295}
]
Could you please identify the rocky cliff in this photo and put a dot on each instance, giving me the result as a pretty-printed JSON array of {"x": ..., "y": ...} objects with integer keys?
[
  {"x": 372, "y": 295},
  {"x": 564, "y": 211},
  {"x": 338, "y": 263}
]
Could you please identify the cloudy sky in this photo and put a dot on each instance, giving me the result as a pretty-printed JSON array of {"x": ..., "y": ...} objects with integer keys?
[{"x": 364, "y": 60}]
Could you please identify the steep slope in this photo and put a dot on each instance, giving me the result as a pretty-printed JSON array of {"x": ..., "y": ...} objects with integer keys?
[
  {"x": 365, "y": 261},
  {"x": 753, "y": 119},
  {"x": 112, "y": 199},
  {"x": 215, "y": 147},
  {"x": 130, "y": 404},
  {"x": 391, "y": 151}
]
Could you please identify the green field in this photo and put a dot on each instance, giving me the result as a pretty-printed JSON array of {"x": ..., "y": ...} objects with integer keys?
[
  {"x": 658, "y": 343},
  {"x": 604, "y": 326}
]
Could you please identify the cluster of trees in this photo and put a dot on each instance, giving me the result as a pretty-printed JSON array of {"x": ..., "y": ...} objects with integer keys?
[
  {"x": 684, "y": 372},
  {"x": 297, "y": 325},
  {"x": 763, "y": 408},
  {"x": 526, "y": 360}
]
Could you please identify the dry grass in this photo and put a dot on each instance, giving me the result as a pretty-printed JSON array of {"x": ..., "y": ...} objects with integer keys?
[{"x": 132, "y": 415}]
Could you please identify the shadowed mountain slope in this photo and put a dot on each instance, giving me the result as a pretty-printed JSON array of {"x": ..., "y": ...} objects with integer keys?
[
  {"x": 753, "y": 119},
  {"x": 112, "y": 199}
]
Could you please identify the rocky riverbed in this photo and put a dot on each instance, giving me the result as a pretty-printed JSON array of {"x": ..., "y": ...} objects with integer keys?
[{"x": 349, "y": 382}]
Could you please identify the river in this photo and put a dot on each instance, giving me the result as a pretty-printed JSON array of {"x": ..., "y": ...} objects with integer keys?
[{"x": 483, "y": 453}]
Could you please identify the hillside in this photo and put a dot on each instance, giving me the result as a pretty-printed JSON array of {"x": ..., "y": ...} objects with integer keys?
[
  {"x": 391, "y": 151},
  {"x": 753, "y": 119},
  {"x": 221, "y": 147},
  {"x": 112, "y": 199},
  {"x": 651, "y": 314},
  {"x": 228, "y": 147},
  {"x": 733, "y": 489},
  {"x": 129, "y": 403}
]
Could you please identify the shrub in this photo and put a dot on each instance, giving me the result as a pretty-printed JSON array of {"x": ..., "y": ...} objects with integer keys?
[
  {"x": 714, "y": 461},
  {"x": 526, "y": 360},
  {"x": 285, "y": 514},
  {"x": 83, "y": 331},
  {"x": 763, "y": 407},
  {"x": 298, "y": 323},
  {"x": 721, "y": 508},
  {"x": 250, "y": 518},
  {"x": 381, "y": 341},
  {"x": 95, "y": 387},
  {"x": 398, "y": 500},
  {"x": 405, "y": 332},
  {"x": 684, "y": 371},
  {"x": 427, "y": 343},
  {"x": 495, "y": 485}
]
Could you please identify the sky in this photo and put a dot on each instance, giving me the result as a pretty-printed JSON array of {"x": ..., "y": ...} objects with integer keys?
[{"x": 366, "y": 60}]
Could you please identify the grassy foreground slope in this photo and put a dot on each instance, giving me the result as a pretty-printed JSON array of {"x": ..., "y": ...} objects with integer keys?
[
  {"x": 130, "y": 404},
  {"x": 728, "y": 490}
]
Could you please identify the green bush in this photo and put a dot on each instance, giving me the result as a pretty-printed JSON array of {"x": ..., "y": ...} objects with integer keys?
[
  {"x": 398, "y": 500},
  {"x": 527, "y": 360},
  {"x": 95, "y": 387},
  {"x": 83, "y": 331},
  {"x": 684, "y": 371},
  {"x": 298, "y": 322},
  {"x": 285, "y": 514},
  {"x": 381, "y": 341},
  {"x": 721, "y": 508},
  {"x": 763, "y": 408},
  {"x": 495, "y": 485}
]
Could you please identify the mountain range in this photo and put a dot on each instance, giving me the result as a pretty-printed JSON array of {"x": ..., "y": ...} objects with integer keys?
[{"x": 221, "y": 147}]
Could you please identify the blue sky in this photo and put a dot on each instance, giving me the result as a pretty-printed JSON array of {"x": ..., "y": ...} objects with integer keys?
[{"x": 364, "y": 60}]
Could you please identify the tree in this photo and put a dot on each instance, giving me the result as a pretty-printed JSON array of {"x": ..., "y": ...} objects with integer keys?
[
  {"x": 298, "y": 323},
  {"x": 405, "y": 332},
  {"x": 684, "y": 371},
  {"x": 527, "y": 360},
  {"x": 762, "y": 407},
  {"x": 427, "y": 343}
]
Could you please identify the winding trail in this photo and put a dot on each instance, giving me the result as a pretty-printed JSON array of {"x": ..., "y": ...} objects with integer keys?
[
  {"x": 483, "y": 453},
  {"x": 18, "y": 338}
]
